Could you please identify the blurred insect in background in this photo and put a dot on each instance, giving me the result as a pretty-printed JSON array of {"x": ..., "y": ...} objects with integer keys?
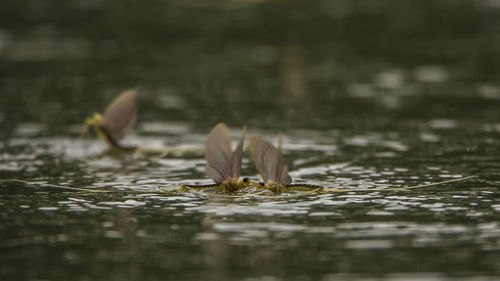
[
  {"x": 117, "y": 120},
  {"x": 272, "y": 167},
  {"x": 223, "y": 164}
]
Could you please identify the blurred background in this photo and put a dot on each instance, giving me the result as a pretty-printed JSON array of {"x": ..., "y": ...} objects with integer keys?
[{"x": 271, "y": 64}]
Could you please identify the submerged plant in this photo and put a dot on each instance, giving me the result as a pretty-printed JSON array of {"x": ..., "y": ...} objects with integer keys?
[
  {"x": 272, "y": 167},
  {"x": 223, "y": 164},
  {"x": 117, "y": 120}
]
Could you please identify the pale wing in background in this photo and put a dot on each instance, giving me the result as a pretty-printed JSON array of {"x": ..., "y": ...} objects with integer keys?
[{"x": 120, "y": 115}]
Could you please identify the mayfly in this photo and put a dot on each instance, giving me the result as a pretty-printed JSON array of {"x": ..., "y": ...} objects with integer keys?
[
  {"x": 223, "y": 164},
  {"x": 272, "y": 167},
  {"x": 116, "y": 121}
]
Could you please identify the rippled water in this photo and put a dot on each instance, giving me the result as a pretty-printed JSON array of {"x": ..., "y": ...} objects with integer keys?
[
  {"x": 445, "y": 232},
  {"x": 378, "y": 102}
]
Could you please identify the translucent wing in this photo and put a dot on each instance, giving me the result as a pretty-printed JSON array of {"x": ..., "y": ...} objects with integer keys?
[
  {"x": 237, "y": 155},
  {"x": 269, "y": 161},
  {"x": 120, "y": 115},
  {"x": 281, "y": 169},
  {"x": 218, "y": 153}
]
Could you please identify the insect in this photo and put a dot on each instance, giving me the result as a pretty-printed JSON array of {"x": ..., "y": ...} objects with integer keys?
[
  {"x": 223, "y": 164},
  {"x": 272, "y": 167},
  {"x": 117, "y": 120}
]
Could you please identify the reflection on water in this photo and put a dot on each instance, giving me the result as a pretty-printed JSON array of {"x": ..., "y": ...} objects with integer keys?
[{"x": 368, "y": 96}]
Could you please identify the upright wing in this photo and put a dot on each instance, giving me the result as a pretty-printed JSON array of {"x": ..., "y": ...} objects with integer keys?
[
  {"x": 281, "y": 169},
  {"x": 218, "y": 153},
  {"x": 120, "y": 115},
  {"x": 237, "y": 155},
  {"x": 269, "y": 161}
]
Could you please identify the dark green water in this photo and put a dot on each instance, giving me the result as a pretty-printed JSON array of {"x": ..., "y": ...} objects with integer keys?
[{"x": 368, "y": 94}]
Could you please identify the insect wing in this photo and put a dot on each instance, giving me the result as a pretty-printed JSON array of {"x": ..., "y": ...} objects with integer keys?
[
  {"x": 120, "y": 115},
  {"x": 269, "y": 161},
  {"x": 237, "y": 156},
  {"x": 218, "y": 153},
  {"x": 281, "y": 169}
]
